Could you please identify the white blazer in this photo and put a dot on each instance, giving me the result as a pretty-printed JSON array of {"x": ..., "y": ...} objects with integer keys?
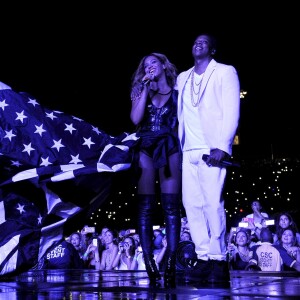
[{"x": 219, "y": 107}]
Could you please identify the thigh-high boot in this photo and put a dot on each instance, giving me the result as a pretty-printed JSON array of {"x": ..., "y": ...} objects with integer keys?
[
  {"x": 146, "y": 209},
  {"x": 171, "y": 207}
]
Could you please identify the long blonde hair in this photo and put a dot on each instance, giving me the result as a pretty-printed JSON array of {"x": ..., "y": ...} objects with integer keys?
[{"x": 170, "y": 70}]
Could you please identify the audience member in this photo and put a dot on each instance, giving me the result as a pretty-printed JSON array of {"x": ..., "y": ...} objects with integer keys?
[
  {"x": 288, "y": 244},
  {"x": 125, "y": 255},
  {"x": 157, "y": 240},
  {"x": 87, "y": 234},
  {"x": 256, "y": 220},
  {"x": 239, "y": 250},
  {"x": 185, "y": 236},
  {"x": 92, "y": 254},
  {"x": 138, "y": 262},
  {"x": 159, "y": 256},
  {"x": 111, "y": 250},
  {"x": 184, "y": 225},
  {"x": 136, "y": 238},
  {"x": 265, "y": 255},
  {"x": 282, "y": 221},
  {"x": 101, "y": 237},
  {"x": 76, "y": 240},
  {"x": 62, "y": 256}
]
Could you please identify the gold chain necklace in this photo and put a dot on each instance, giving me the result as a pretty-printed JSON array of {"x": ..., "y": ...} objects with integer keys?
[{"x": 193, "y": 90}]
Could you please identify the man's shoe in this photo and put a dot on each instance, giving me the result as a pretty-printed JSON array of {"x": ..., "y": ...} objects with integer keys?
[
  {"x": 219, "y": 272},
  {"x": 198, "y": 270},
  {"x": 197, "y": 264}
]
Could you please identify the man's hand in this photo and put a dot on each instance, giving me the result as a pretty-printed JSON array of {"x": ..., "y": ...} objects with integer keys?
[{"x": 216, "y": 156}]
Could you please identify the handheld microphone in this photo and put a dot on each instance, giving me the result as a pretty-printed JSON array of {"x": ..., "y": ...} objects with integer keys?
[
  {"x": 145, "y": 81},
  {"x": 223, "y": 163}
]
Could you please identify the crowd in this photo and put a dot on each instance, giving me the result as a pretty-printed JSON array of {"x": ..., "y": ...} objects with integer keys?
[
  {"x": 261, "y": 242},
  {"x": 109, "y": 249},
  {"x": 257, "y": 243}
]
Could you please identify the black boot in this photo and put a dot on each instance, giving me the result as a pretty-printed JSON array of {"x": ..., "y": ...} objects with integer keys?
[
  {"x": 146, "y": 208},
  {"x": 171, "y": 206}
]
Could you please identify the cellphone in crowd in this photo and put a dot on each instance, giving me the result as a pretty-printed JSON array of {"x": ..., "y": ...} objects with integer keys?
[
  {"x": 247, "y": 220},
  {"x": 243, "y": 224},
  {"x": 270, "y": 222},
  {"x": 131, "y": 230},
  {"x": 140, "y": 249},
  {"x": 156, "y": 227},
  {"x": 95, "y": 242},
  {"x": 89, "y": 229},
  {"x": 233, "y": 229}
]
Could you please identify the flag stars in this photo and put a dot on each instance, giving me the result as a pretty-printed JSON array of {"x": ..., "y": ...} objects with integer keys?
[
  {"x": 45, "y": 162},
  {"x": 9, "y": 135},
  {"x": 3, "y": 104},
  {"x": 96, "y": 130},
  {"x": 69, "y": 127},
  {"x": 20, "y": 116},
  {"x": 15, "y": 163},
  {"x": 75, "y": 159},
  {"x": 88, "y": 142},
  {"x": 39, "y": 129},
  {"x": 20, "y": 208},
  {"x": 33, "y": 102},
  {"x": 57, "y": 145},
  {"x": 28, "y": 148},
  {"x": 51, "y": 116},
  {"x": 40, "y": 219}
]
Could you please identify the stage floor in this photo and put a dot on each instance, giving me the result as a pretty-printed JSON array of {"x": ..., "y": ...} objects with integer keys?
[{"x": 90, "y": 284}]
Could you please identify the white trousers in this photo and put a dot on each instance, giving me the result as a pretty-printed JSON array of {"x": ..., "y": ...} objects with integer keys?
[{"x": 202, "y": 199}]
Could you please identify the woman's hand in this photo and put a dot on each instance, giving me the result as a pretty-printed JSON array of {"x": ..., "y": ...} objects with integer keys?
[
  {"x": 231, "y": 247},
  {"x": 136, "y": 92},
  {"x": 292, "y": 251},
  {"x": 121, "y": 247}
]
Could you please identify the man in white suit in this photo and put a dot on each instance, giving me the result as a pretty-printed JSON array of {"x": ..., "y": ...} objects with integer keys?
[{"x": 208, "y": 114}]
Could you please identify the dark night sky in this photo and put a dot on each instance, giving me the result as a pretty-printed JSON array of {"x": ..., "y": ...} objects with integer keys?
[{"x": 80, "y": 60}]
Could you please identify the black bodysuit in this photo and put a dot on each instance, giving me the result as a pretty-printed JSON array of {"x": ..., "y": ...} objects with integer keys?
[{"x": 158, "y": 131}]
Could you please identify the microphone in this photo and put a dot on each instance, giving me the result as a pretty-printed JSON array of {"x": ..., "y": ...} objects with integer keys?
[
  {"x": 145, "y": 81},
  {"x": 223, "y": 163}
]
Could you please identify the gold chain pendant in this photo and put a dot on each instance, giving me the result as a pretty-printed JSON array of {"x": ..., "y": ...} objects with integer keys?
[{"x": 193, "y": 90}]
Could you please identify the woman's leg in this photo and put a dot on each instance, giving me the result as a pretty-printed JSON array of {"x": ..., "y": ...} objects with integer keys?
[
  {"x": 171, "y": 203},
  {"x": 146, "y": 209}
]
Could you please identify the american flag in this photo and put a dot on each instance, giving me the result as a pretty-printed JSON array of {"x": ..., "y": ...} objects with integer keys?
[{"x": 55, "y": 168}]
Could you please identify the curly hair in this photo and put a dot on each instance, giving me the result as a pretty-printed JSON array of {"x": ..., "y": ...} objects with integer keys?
[{"x": 170, "y": 70}]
